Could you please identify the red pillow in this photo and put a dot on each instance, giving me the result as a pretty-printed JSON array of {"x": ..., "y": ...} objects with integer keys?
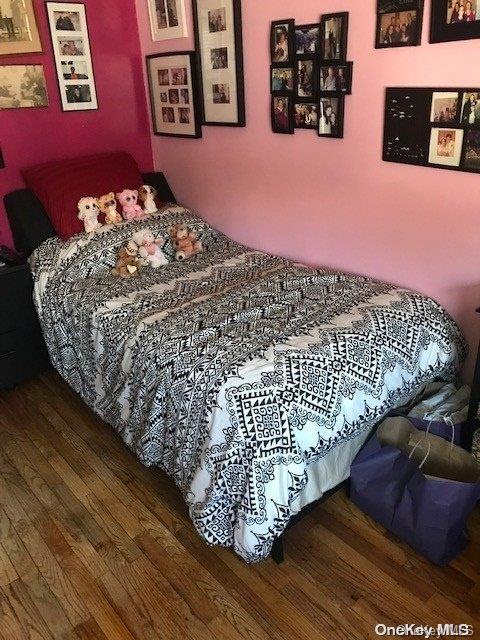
[{"x": 60, "y": 185}]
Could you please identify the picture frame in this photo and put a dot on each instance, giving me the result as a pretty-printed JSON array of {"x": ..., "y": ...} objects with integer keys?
[
  {"x": 399, "y": 23},
  {"x": 282, "y": 41},
  {"x": 173, "y": 84},
  {"x": 73, "y": 59},
  {"x": 283, "y": 80},
  {"x": 306, "y": 77},
  {"x": 19, "y": 32},
  {"x": 448, "y": 26},
  {"x": 334, "y": 36},
  {"x": 23, "y": 86},
  {"x": 167, "y": 19},
  {"x": 335, "y": 77},
  {"x": 219, "y": 42},
  {"x": 331, "y": 107},
  {"x": 306, "y": 115},
  {"x": 282, "y": 114},
  {"x": 307, "y": 39}
]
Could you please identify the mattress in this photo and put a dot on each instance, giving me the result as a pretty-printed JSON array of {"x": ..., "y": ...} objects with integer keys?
[{"x": 252, "y": 381}]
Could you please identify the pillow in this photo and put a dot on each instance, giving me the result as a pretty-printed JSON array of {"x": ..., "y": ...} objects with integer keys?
[{"x": 60, "y": 185}]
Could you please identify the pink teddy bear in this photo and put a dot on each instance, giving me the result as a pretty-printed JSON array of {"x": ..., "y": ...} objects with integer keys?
[{"x": 128, "y": 201}]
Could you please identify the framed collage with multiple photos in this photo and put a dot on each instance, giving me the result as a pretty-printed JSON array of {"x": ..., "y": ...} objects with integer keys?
[
  {"x": 73, "y": 60},
  {"x": 433, "y": 128},
  {"x": 310, "y": 75},
  {"x": 399, "y": 23},
  {"x": 455, "y": 20},
  {"x": 218, "y": 40},
  {"x": 172, "y": 80}
]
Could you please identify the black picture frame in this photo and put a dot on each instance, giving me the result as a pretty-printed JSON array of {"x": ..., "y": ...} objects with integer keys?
[
  {"x": 195, "y": 94},
  {"x": 346, "y": 88},
  {"x": 283, "y": 90},
  {"x": 301, "y": 60},
  {"x": 299, "y": 27},
  {"x": 442, "y": 31},
  {"x": 290, "y": 23},
  {"x": 324, "y": 50},
  {"x": 306, "y": 104},
  {"x": 338, "y": 104},
  {"x": 409, "y": 128},
  {"x": 239, "y": 71},
  {"x": 400, "y": 7},
  {"x": 290, "y": 129}
]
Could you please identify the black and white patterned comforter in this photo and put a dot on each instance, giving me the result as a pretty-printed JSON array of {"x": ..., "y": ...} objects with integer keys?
[{"x": 236, "y": 371}]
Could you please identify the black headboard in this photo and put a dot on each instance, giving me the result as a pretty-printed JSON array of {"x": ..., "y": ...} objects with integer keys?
[{"x": 30, "y": 224}]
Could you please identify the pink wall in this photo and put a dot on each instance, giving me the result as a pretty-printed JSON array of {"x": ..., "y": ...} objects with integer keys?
[
  {"x": 334, "y": 202},
  {"x": 28, "y": 136}
]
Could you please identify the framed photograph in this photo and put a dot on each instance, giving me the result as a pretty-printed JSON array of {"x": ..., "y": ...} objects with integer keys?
[
  {"x": 307, "y": 39},
  {"x": 18, "y": 28},
  {"x": 334, "y": 36},
  {"x": 282, "y": 41},
  {"x": 306, "y": 78},
  {"x": 445, "y": 107},
  {"x": 282, "y": 114},
  {"x": 446, "y": 146},
  {"x": 167, "y": 19},
  {"x": 172, "y": 79},
  {"x": 471, "y": 108},
  {"x": 73, "y": 60},
  {"x": 22, "y": 86},
  {"x": 471, "y": 156},
  {"x": 306, "y": 115},
  {"x": 330, "y": 117},
  {"x": 282, "y": 80},
  {"x": 336, "y": 77},
  {"x": 218, "y": 39},
  {"x": 399, "y": 23},
  {"x": 455, "y": 20}
]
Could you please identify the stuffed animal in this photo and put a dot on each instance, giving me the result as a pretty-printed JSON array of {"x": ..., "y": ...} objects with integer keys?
[
  {"x": 108, "y": 205},
  {"x": 128, "y": 201},
  {"x": 149, "y": 248},
  {"x": 127, "y": 265},
  {"x": 147, "y": 195},
  {"x": 185, "y": 242},
  {"x": 88, "y": 212}
]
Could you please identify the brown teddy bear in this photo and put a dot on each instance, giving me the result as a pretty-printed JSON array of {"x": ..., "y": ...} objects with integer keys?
[
  {"x": 128, "y": 264},
  {"x": 185, "y": 242},
  {"x": 108, "y": 206}
]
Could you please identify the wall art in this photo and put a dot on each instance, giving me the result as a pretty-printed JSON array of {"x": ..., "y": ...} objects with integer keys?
[
  {"x": 18, "y": 28},
  {"x": 454, "y": 20},
  {"x": 167, "y": 19},
  {"x": 22, "y": 86},
  {"x": 399, "y": 23}
]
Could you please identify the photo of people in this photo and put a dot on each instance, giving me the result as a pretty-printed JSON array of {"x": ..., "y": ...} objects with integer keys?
[
  {"x": 163, "y": 77},
  {"x": 444, "y": 107},
  {"x": 305, "y": 78},
  {"x": 22, "y": 86},
  {"x": 14, "y": 24},
  {"x": 217, "y": 20},
  {"x": 282, "y": 79},
  {"x": 184, "y": 96},
  {"x": 184, "y": 115},
  {"x": 471, "y": 108},
  {"x": 168, "y": 114},
  {"x": 172, "y": 13},
  {"x": 179, "y": 76},
  {"x": 472, "y": 150},
  {"x": 74, "y": 70},
  {"x": 281, "y": 115},
  {"x": 78, "y": 93},
  {"x": 462, "y": 11},
  {"x": 446, "y": 146},
  {"x": 281, "y": 52},
  {"x": 161, "y": 13},
  {"x": 335, "y": 79},
  {"x": 221, "y": 94},
  {"x": 399, "y": 28},
  {"x": 71, "y": 47},
  {"x": 329, "y": 120},
  {"x": 67, "y": 20},
  {"x": 333, "y": 38},
  {"x": 306, "y": 39},
  {"x": 173, "y": 96},
  {"x": 219, "y": 58},
  {"x": 163, "y": 96},
  {"x": 306, "y": 115}
]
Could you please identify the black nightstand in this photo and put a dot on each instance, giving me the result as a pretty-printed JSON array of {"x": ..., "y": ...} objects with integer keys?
[{"x": 23, "y": 354}]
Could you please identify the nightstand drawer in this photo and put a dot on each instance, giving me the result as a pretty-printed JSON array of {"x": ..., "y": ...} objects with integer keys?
[
  {"x": 16, "y": 307},
  {"x": 22, "y": 355}
]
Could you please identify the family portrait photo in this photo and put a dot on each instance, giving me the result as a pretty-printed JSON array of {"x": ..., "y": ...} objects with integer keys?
[
  {"x": 281, "y": 118},
  {"x": 336, "y": 79},
  {"x": 221, "y": 94},
  {"x": 446, "y": 146},
  {"x": 184, "y": 96},
  {"x": 78, "y": 93},
  {"x": 329, "y": 123},
  {"x": 282, "y": 80},
  {"x": 462, "y": 11},
  {"x": 305, "y": 79},
  {"x": 74, "y": 70},
  {"x": 71, "y": 47},
  {"x": 66, "y": 20},
  {"x": 179, "y": 75},
  {"x": 173, "y": 96},
  {"x": 281, "y": 42},
  {"x": 168, "y": 115},
  {"x": 471, "y": 109},
  {"x": 444, "y": 107},
  {"x": 334, "y": 36},
  {"x": 163, "y": 96},
  {"x": 18, "y": 27},
  {"x": 472, "y": 151},
  {"x": 399, "y": 28},
  {"x": 163, "y": 77},
  {"x": 22, "y": 86},
  {"x": 184, "y": 115},
  {"x": 307, "y": 39},
  {"x": 217, "y": 20},
  {"x": 306, "y": 115},
  {"x": 219, "y": 58}
]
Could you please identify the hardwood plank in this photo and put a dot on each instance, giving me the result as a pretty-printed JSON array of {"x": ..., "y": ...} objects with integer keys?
[{"x": 7, "y": 570}]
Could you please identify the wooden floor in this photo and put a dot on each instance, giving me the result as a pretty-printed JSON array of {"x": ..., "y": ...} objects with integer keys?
[{"x": 95, "y": 546}]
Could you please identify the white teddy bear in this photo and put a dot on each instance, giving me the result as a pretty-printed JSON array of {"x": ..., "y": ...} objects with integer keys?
[
  {"x": 149, "y": 248},
  {"x": 88, "y": 212}
]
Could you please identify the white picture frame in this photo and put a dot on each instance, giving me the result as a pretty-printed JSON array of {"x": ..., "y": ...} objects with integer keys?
[
  {"x": 73, "y": 59},
  {"x": 167, "y": 19},
  {"x": 446, "y": 145}
]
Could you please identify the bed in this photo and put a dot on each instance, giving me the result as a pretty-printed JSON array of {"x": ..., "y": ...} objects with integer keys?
[{"x": 252, "y": 381}]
